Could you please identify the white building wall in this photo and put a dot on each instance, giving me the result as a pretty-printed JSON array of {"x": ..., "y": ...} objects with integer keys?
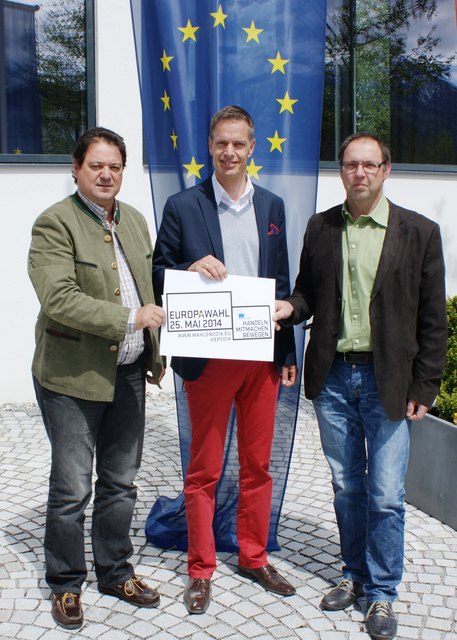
[{"x": 25, "y": 191}]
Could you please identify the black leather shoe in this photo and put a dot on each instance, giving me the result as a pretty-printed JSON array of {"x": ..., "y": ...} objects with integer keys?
[
  {"x": 380, "y": 622},
  {"x": 66, "y": 610},
  {"x": 342, "y": 596},
  {"x": 134, "y": 591},
  {"x": 269, "y": 578},
  {"x": 197, "y": 595}
]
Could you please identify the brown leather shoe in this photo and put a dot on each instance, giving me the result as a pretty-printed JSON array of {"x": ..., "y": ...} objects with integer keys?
[
  {"x": 66, "y": 610},
  {"x": 134, "y": 591},
  {"x": 197, "y": 595},
  {"x": 269, "y": 578}
]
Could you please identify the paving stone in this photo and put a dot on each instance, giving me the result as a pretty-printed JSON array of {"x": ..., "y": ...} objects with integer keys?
[
  {"x": 140, "y": 629},
  {"x": 408, "y": 632},
  {"x": 112, "y": 634},
  {"x": 439, "y": 623},
  {"x": 30, "y": 633},
  {"x": 240, "y": 609},
  {"x": 9, "y": 630},
  {"x": 219, "y": 630}
]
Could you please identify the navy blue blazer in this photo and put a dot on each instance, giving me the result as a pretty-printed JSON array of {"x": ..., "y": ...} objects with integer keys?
[{"x": 190, "y": 230}]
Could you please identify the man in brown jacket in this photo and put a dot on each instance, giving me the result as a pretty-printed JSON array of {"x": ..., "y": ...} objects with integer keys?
[
  {"x": 372, "y": 276},
  {"x": 90, "y": 262}
]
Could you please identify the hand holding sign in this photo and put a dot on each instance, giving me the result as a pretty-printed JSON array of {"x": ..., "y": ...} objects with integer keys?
[{"x": 228, "y": 318}]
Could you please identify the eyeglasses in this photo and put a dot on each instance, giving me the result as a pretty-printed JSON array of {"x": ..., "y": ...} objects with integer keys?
[{"x": 368, "y": 167}]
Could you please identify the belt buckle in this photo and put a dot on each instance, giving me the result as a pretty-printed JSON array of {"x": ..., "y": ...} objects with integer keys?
[{"x": 345, "y": 353}]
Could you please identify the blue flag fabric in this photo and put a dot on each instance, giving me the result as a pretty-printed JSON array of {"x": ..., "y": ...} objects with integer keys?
[
  {"x": 20, "y": 129},
  {"x": 194, "y": 57}
]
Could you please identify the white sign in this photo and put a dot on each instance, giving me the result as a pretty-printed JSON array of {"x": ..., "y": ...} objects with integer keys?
[{"x": 229, "y": 319}]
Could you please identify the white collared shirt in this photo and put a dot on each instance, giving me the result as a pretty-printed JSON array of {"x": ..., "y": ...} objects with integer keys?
[
  {"x": 132, "y": 346},
  {"x": 240, "y": 235}
]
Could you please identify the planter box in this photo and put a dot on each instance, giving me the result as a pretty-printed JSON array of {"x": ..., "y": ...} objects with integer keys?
[{"x": 430, "y": 481}]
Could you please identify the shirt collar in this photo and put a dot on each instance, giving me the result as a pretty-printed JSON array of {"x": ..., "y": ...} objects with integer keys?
[
  {"x": 99, "y": 211},
  {"x": 221, "y": 194},
  {"x": 379, "y": 215}
]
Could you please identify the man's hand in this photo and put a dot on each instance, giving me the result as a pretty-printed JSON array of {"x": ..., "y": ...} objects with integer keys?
[
  {"x": 149, "y": 317},
  {"x": 415, "y": 411},
  {"x": 152, "y": 380},
  {"x": 210, "y": 267},
  {"x": 283, "y": 310},
  {"x": 288, "y": 375}
]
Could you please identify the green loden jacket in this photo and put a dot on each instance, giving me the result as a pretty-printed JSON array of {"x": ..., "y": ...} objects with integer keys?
[{"x": 73, "y": 269}]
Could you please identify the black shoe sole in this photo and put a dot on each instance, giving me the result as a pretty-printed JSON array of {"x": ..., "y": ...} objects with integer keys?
[
  {"x": 196, "y": 612},
  {"x": 109, "y": 592},
  {"x": 324, "y": 607},
  {"x": 378, "y": 637},
  {"x": 70, "y": 627},
  {"x": 250, "y": 576}
]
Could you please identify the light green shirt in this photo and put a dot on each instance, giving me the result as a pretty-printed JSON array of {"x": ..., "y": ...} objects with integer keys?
[{"x": 362, "y": 245}]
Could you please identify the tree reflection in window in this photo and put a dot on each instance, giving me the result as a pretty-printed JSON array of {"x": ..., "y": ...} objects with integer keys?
[
  {"x": 390, "y": 69},
  {"x": 43, "y": 76}
]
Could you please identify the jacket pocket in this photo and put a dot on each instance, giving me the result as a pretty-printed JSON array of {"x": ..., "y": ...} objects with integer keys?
[{"x": 61, "y": 334}]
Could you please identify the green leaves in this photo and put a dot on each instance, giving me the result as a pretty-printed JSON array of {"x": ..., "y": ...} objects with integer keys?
[{"x": 446, "y": 402}]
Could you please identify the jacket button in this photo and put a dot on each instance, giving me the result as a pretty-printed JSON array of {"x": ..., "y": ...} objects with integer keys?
[
  {"x": 108, "y": 238},
  {"x": 113, "y": 348},
  {"x": 114, "y": 265},
  {"x": 117, "y": 292},
  {"x": 334, "y": 334}
]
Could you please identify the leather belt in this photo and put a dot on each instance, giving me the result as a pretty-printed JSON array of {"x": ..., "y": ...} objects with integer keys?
[{"x": 356, "y": 357}]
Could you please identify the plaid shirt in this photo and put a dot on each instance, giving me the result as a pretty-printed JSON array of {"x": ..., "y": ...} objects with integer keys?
[{"x": 132, "y": 346}]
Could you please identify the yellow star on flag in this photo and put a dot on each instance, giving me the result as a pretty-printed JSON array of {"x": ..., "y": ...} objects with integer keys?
[
  {"x": 174, "y": 137},
  {"x": 219, "y": 17},
  {"x": 166, "y": 61},
  {"x": 189, "y": 32},
  {"x": 286, "y": 103},
  {"x": 18, "y": 151},
  {"x": 166, "y": 101},
  {"x": 253, "y": 33},
  {"x": 278, "y": 63},
  {"x": 276, "y": 142},
  {"x": 193, "y": 169},
  {"x": 253, "y": 169}
]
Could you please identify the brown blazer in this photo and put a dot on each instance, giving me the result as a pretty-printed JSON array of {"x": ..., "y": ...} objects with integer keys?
[{"x": 407, "y": 308}]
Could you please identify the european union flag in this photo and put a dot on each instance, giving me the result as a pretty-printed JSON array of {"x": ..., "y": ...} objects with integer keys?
[{"x": 194, "y": 57}]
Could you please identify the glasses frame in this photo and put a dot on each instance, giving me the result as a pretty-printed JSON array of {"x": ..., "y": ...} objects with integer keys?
[{"x": 344, "y": 166}]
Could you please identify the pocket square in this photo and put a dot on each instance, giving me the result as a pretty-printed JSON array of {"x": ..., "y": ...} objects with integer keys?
[{"x": 274, "y": 230}]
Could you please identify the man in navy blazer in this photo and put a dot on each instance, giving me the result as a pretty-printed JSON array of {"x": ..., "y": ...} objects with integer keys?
[
  {"x": 372, "y": 276},
  {"x": 222, "y": 226}
]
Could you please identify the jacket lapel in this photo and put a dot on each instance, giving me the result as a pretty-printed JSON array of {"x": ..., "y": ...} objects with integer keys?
[
  {"x": 336, "y": 227},
  {"x": 208, "y": 208},
  {"x": 261, "y": 215},
  {"x": 390, "y": 249}
]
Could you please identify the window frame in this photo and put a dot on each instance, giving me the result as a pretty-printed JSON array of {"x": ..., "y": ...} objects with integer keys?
[
  {"x": 399, "y": 167},
  {"x": 56, "y": 159}
]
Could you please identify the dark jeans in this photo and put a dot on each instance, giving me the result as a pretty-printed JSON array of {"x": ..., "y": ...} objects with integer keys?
[{"x": 77, "y": 429}]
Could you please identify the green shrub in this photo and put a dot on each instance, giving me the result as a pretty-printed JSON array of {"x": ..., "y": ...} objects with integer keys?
[{"x": 446, "y": 402}]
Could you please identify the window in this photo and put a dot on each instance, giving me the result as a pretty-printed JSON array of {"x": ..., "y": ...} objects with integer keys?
[
  {"x": 391, "y": 69},
  {"x": 46, "y": 78}
]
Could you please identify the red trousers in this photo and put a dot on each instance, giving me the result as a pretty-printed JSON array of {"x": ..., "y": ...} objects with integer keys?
[{"x": 253, "y": 387}]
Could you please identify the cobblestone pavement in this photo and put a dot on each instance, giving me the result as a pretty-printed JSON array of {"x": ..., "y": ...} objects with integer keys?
[{"x": 240, "y": 609}]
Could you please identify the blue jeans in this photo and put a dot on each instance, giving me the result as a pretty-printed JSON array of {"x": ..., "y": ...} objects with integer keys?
[
  {"x": 368, "y": 457},
  {"x": 113, "y": 431}
]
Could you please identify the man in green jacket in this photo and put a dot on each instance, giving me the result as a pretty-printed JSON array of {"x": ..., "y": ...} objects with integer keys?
[{"x": 90, "y": 263}]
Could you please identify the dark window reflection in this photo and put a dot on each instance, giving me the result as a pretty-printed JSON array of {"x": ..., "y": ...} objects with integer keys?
[
  {"x": 43, "y": 87},
  {"x": 391, "y": 69}
]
